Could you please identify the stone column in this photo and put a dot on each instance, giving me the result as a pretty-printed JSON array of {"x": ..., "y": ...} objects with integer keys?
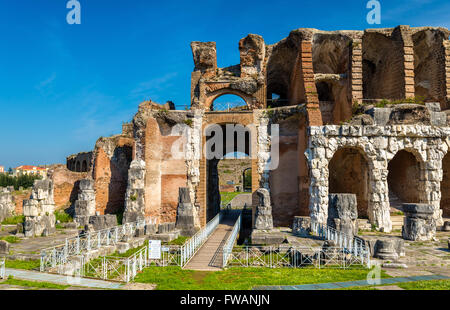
[
  {"x": 185, "y": 213},
  {"x": 39, "y": 210},
  {"x": 263, "y": 216},
  {"x": 431, "y": 176},
  {"x": 135, "y": 195},
  {"x": 419, "y": 224},
  {"x": 85, "y": 204},
  {"x": 379, "y": 206},
  {"x": 7, "y": 206}
]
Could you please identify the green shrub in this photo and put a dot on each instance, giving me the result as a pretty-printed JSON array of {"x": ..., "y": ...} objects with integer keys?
[
  {"x": 63, "y": 217},
  {"x": 10, "y": 239},
  {"x": 16, "y": 219}
]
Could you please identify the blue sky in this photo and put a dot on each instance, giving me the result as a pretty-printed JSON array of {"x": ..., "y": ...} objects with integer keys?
[{"x": 63, "y": 86}]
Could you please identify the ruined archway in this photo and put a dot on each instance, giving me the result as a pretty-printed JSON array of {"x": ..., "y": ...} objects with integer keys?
[
  {"x": 84, "y": 167},
  {"x": 78, "y": 167},
  {"x": 218, "y": 146},
  {"x": 445, "y": 186},
  {"x": 247, "y": 180},
  {"x": 228, "y": 102},
  {"x": 404, "y": 180},
  {"x": 349, "y": 174}
]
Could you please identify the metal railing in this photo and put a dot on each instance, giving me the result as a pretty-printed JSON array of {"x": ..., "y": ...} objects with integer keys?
[
  {"x": 229, "y": 244},
  {"x": 293, "y": 257},
  {"x": 59, "y": 255},
  {"x": 353, "y": 245},
  {"x": 2, "y": 269},
  {"x": 112, "y": 268},
  {"x": 188, "y": 250}
]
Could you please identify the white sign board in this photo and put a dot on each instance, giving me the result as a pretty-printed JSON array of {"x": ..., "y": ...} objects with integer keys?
[{"x": 154, "y": 249}]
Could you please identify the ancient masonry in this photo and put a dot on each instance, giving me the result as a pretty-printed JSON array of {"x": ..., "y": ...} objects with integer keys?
[{"x": 358, "y": 112}]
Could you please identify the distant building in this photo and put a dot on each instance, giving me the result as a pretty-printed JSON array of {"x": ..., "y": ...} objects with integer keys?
[
  {"x": 28, "y": 170},
  {"x": 2, "y": 169}
]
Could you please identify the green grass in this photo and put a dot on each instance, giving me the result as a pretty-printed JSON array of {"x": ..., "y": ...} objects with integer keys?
[
  {"x": 179, "y": 241},
  {"x": 63, "y": 217},
  {"x": 14, "y": 220},
  {"x": 11, "y": 239},
  {"x": 22, "y": 264},
  {"x": 226, "y": 197},
  {"x": 34, "y": 284},
  {"x": 175, "y": 278}
]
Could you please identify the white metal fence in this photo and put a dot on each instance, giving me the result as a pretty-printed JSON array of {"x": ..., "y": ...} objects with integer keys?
[
  {"x": 354, "y": 245},
  {"x": 60, "y": 255},
  {"x": 116, "y": 268},
  {"x": 229, "y": 244},
  {"x": 293, "y": 257},
  {"x": 2, "y": 269}
]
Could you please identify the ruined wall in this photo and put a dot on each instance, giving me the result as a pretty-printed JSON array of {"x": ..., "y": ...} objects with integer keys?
[
  {"x": 429, "y": 64},
  {"x": 379, "y": 145},
  {"x": 81, "y": 162},
  {"x": 113, "y": 156},
  {"x": 66, "y": 185},
  {"x": 383, "y": 65},
  {"x": 445, "y": 186}
]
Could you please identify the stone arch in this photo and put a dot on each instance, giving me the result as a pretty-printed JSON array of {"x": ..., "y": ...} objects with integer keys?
[
  {"x": 244, "y": 188},
  {"x": 349, "y": 172},
  {"x": 78, "y": 167},
  {"x": 406, "y": 180},
  {"x": 212, "y": 96},
  {"x": 84, "y": 167},
  {"x": 213, "y": 197}
]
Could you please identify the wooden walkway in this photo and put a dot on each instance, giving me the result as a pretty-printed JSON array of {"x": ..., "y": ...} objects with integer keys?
[{"x": 210, "y": 256}]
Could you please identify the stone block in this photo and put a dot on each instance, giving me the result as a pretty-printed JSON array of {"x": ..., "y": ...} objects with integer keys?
[
  {"x": 386, "y": 250},
  {"x": 267, "y": 238},
  {"x": 100, "y": 222},
  {"x": 380, "y": 115},
  {"x": 4, "y": 247},
  {"x": 263, "y": 213},
  {"x": 301, "y": 226}
]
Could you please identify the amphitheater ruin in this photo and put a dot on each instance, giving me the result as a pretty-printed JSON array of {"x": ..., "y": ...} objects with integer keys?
[{"x": 357, "y": 112}]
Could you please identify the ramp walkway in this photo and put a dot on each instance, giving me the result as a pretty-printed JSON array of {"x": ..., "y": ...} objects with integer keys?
[
  {"x": 210, "y": 256},
  {"x": 60, "y": 279}
]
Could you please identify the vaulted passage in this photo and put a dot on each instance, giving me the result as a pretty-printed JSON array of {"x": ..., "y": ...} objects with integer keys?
[
  {"x": 220, "y": 145},
  {"x": 445, "y": 186},
  {"x": 349, "y": 174},
  {"x": 404, "y": 180}
]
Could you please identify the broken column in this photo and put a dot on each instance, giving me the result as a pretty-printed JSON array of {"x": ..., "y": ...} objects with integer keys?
[
  {"x": 6, "y": 203},
  {"x": 185, "y": 213},
  {"x": 263, "y": 215},
  {"x": 263, "y": 232},
  {"x": 419, "y": 224},
  {"x": 85, "y": 204},
  {"x": 343, "y": 213},
  {"x": 39, "y": 210},
  {"x": 135, "y": 196}
]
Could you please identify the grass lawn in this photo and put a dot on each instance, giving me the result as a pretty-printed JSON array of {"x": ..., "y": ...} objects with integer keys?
[
  {"x": 175, "y": 278},
  {"x": 226, "y": 197},
  {"x": 33, "y": 284},
  {"x": 11, "y": 239},
  {"x": 22, "y": 264},
  {"x": 14, "y": 220}
]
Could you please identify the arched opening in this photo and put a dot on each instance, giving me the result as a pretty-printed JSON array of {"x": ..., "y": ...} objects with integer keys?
[
  {"x": 78, "y": 167},
  {"x": 84, "y": 167},
  {"x": 227, "y": 152},
  {"x": 404, "y": 180},
  {"x": 445, "y": 186},
  {"x": 247, "y": 179},
  {"x": 349, "y": 174},
  {"x": 228, "y": 103},
  {"x": 331, "y": 58},
  {"x": 119, "y": 166}
]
